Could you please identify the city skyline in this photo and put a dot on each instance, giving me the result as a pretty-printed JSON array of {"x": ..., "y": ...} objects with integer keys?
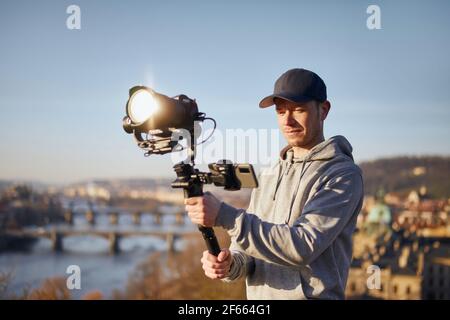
[{"x": 63, "y": 92}]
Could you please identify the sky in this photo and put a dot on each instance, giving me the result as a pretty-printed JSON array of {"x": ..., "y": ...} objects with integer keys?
[{"x": 63, "y": 92}]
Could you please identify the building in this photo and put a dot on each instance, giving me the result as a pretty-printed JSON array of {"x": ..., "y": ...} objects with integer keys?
[
  {"x": 409, "y": 266},
  {"x": 436, "y": 275}
]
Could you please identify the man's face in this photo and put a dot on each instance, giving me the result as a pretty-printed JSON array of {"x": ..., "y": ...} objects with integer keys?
[{"x": 301, "y": 123}]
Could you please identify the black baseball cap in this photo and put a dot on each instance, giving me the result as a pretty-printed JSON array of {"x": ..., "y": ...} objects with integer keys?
[{"x": 297, "y": 85}]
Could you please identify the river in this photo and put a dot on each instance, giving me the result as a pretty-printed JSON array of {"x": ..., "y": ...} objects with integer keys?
[{"x": 99, "y": 269}]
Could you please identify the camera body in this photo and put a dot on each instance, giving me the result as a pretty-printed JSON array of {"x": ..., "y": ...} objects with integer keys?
[
  {"x": 232, "y": 176},
  {"x": 224, "y": 173}
]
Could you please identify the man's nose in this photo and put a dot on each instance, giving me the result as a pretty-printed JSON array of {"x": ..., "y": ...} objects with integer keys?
[{"x": 288, "y": 119}]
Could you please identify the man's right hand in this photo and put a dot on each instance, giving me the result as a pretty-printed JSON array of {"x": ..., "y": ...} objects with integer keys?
[{"x": 216, "y": 267}]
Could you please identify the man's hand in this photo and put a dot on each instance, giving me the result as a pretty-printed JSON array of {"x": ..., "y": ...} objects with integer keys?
[
  {"x": 203, "y": 210},
  {"x": 216, "y": 267}
]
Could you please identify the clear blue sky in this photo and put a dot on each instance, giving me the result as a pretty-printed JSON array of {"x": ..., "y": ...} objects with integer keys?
[{"x": 63, "y": 92}]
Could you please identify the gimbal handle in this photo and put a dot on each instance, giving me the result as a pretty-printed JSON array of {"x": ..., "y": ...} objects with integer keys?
[
  {"x": 196, "y": 190},
  {"x": 210, "y": 239}
]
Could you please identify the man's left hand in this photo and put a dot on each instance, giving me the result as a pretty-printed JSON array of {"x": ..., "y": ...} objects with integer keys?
[{"x": 203, "y": 210}]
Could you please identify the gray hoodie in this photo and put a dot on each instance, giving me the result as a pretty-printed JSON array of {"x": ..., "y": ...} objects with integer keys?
[{"x": 295, "y": 239}]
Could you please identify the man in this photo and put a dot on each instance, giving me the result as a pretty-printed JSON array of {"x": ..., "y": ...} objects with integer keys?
[{"x": 295, "y": 239}]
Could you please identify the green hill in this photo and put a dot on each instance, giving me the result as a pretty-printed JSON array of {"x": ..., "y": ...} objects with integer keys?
[{"x": 403, "y": 174}]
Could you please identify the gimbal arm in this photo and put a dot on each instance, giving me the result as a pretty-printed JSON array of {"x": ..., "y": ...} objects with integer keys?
[{"x": 191, "y": 181}]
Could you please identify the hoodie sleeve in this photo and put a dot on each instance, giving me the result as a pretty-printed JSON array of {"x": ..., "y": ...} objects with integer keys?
[
  {"x": 242, "y": 264},
  {"x": 324, "y": 216}
]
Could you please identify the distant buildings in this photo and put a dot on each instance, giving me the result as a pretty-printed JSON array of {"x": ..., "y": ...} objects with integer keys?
[
  {"x": 411, "y": 252},
  {"x": 155, "y": 190},
  {"x": 135, "y": 190},
  {"x": 21, "y": 206},
  {"x": 411, "y": 267},
  {"x": 89, "y": 190},
  {"x": 414, "y": 211}
]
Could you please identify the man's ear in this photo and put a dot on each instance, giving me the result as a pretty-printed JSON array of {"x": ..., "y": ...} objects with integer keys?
[{"x": 324, "y": 108}]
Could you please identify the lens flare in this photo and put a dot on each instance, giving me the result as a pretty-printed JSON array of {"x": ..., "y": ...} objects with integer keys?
[{"x": 142, "y": 106}]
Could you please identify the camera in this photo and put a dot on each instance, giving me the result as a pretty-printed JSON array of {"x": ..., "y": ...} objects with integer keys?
[{"x": 156, "y": 120}]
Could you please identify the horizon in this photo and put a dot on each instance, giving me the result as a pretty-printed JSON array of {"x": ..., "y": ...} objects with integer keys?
[{"x": 171, "y": 174}]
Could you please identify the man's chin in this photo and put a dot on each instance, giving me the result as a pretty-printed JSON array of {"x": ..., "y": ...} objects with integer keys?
[{"x": 296, "y": 142}]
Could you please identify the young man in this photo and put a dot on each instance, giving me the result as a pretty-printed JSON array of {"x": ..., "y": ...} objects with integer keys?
[{"x": 295, "y": 239}]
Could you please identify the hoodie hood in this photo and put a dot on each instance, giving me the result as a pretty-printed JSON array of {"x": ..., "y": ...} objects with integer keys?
[
  {"x": 334, "y": 147},
  {"x": 326, "y": 150}
]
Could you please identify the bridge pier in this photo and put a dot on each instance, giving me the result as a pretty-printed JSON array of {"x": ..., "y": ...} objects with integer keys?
[
  {"x": 157, "y": 218},
  {"x": 90, "y": 217},
  {"x": 179, "y": 218},
  {"x": 114, "y": 239},
  {"x": 68, "y": 216},
  {"x": 170, "y": 238},
  {"x": 57, "y": 241},
  {"x": 137, "y": 218},
  {"x": 114, "y": 218}
]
